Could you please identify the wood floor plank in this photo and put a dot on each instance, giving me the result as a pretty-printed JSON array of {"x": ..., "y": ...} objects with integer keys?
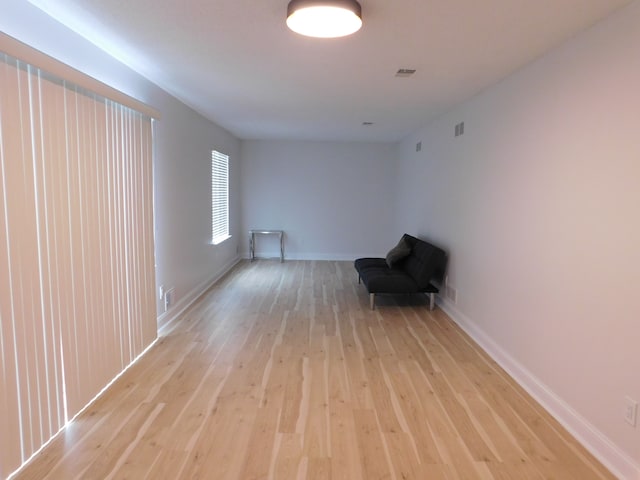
[
  {"x": 403, "y": 458},
  {"x": 282, "y": 371},
  {"x": 109, "y": 456},
  {"x": 291, "y": 407},
  {"x": 345, "y": 458},
  {"x": 289, "y": 459},
  {"x": 373, "y": 453},
  {"x": 421, "y": 436},
  {"x": 258, "y": 454}
]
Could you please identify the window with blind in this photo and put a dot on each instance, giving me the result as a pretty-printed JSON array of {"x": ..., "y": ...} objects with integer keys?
[
  {"x": 77, "y": 302},
  {"x": 219, "y": 197}
]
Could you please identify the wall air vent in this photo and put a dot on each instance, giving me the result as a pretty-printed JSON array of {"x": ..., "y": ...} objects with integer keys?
[{"x": 405, "y": 72}]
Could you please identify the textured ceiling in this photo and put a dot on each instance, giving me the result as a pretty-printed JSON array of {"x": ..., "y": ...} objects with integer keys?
[{"x": 236, "y": 63}]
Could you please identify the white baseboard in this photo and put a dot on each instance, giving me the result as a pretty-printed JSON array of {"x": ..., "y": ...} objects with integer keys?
[
  {"x": 313, "y": 256},
  {"x": 322, "y": 257},
  {"x": 600, "y": 446},
  {"x": 187, "y": 300}
]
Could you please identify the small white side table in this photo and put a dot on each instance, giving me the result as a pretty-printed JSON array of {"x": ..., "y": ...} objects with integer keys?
[{"x": 252, "y": 241}]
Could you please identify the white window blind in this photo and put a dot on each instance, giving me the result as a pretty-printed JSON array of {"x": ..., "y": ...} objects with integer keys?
[
  {"x": 219, "y": 197},
  {"x": 77, "y": 299}
]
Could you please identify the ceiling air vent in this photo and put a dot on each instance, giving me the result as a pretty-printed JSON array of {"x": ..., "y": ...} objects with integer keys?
[{"x": 405, "y": 72}]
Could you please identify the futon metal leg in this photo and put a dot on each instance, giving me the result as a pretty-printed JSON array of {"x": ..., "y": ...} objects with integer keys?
[
  {"x": 359, "y": 280},
  {"x": 432, "y": 301},
  {"x": 372, "y": 301}
]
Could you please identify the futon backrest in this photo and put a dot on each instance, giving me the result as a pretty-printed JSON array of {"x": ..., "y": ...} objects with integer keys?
[{"x": 425, "y": 263}]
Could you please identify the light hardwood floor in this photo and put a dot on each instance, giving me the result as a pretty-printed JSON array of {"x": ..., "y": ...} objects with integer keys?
[{"x": 282, "y": 371}]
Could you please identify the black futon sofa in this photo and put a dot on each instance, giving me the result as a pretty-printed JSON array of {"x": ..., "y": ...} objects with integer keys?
[{"x": 410, "y": 267}]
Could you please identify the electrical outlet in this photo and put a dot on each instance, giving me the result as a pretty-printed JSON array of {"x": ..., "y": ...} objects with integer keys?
[
  {"x": 631, "y": 411},
  {"x": 161, "y": 291},
  {"x": 452, "y": 293},
  {"x": 169, "y": 298}
]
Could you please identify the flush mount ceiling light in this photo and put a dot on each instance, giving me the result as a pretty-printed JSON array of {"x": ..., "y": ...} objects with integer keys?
[{"x": 324, "y": 18}]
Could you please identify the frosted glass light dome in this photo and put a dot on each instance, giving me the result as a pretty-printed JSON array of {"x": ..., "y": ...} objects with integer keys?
[{"x": 324, "y": 19}]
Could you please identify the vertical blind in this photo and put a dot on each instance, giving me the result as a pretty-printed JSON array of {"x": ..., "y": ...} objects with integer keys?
[
  {"x": 77, "y": 301},
  {"x": 219, "y": 196}
]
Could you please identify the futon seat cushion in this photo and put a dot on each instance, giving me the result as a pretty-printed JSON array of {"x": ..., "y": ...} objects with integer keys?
[{"x": 388, "y": 280}]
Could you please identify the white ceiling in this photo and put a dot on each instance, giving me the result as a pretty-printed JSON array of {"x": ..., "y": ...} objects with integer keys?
[{"x": 236, "y": 63}]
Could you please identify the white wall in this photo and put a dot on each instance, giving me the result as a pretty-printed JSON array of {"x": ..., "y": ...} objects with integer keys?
[
  {"x": 185, "y": 257},
  {"x": 538, "y": 203},
  {"x": 182, "y": 147},
  {"x": 333, "y": 200}
]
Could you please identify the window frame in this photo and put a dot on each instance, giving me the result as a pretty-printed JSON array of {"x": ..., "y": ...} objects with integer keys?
[{"x": 219, "y": 197}]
